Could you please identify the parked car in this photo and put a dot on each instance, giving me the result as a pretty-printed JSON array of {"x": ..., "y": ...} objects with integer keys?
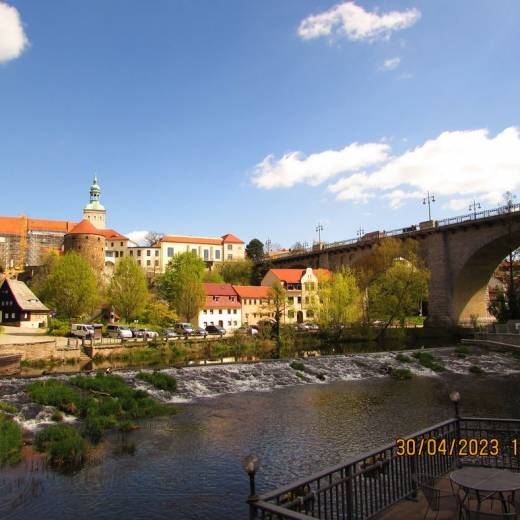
[
  {"x": 184, "y": 329},
  {"x": 246, "y": 329},
  {"x": 312, "y": 326},
  {"x": 215, "y": 330},
  {"x": 200, "y": 331},
  {"x": 169, "y": 333},
  {"x": 146, "y": 333},
  {"x": 79, "y": 330},
  {"x": 118, "y": 331}
]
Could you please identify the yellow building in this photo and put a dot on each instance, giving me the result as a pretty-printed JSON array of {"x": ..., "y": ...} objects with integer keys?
[
  {"x": 301, "y": 286},
  {"x": 254, "y": 303}
]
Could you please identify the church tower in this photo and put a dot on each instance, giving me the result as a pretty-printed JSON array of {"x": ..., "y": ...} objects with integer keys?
[{"x": 94, "y": 210}]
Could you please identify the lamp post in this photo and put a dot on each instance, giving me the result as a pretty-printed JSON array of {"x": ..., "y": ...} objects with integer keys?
[
  {"x": 360, "y": 233},
  {"x": 319, "y": 229},
  {"x": 251, "y": 465},
  {"x": 455, "y": 398},
  {"x": 473, "y": 207},
  {"x": 428, "y": 200}
]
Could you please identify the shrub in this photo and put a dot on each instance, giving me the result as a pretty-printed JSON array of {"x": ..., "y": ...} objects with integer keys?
[
  {"x": 427, "y": 360},
  {"x": 401, "y": 374},
  {"x": 297, "y": 365},
  {"x": 55, "y": 393},
  {"x": 403, "y": 358},
  {"x": 475, "y": 369},
  {"x": 10, "y": 441},
  {"x": 65, "y": 448},
  {"x": 57, "y": 416},
  {"x": 7, "y": 407},
  {"x": 159, "y": 380},
  {"x": 59, "y": 328},
  {"x": 462, "y": 349}
]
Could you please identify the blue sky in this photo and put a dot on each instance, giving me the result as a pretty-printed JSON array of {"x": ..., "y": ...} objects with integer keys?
[{"x": 204, "y": 117}]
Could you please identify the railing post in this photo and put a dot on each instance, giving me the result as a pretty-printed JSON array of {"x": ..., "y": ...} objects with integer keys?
[{"x": 350, "y": 497}]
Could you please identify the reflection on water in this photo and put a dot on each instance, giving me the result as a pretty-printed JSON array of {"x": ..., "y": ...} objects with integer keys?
[{"x": 189, "y": 466}]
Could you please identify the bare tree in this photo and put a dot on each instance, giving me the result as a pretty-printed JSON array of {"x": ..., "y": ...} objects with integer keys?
[{"x": 152, "y": 237}]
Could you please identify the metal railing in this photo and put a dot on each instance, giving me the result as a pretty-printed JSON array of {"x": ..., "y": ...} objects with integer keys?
[
  {"x": 362, "y": 487},
  {"x": 478, "y": 215}
]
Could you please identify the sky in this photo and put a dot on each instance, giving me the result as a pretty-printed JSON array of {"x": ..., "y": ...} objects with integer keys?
[{"x": 259, "y": 118}]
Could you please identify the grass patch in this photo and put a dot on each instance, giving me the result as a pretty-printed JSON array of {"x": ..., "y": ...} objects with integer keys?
[
  {"x": 427, "y": 360},
  {"x": 401, "y": 374},
  {"x": 475, "y": 369},
  {"x": 298, "y": 366},
  {"x": 462, "y": 349},
  {"x": 10, "y": 441},
  {"x": 66, "y": 449},
  {"x": 7, "y": 407},
  {"x": 403, "y": 358},
  {"x": 159, "y": 380}
]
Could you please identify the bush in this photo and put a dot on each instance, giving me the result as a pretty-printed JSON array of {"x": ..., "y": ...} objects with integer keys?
[
  {"x": 59, "y": 328},
  {"x": 297, "y": 365},
  {"x": 10, "y": 441},
  {"x": 403, "y": 358},
  {"x": 475, "y": 369},
  {"x": 57, "y": 416},
  {"x": 462, "y": 349},
  {"x": 55, "y": 393},
  {"x": 65, "y": 448},
  {"x": 427, "y": 360},
  {"x": 159, "y": 380},
  {"x": 401, "y": 374},
  {"x": 7, "y": 407}
]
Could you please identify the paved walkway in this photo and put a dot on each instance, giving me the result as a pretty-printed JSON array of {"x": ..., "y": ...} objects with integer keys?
[{"x": 17, "y": 335}]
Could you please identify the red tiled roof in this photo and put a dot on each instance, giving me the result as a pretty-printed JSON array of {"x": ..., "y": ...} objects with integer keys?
[
  {"x": 14, "y": 225},
  {"x": 225, "y": 304},
  {"x": 112, "y": 234},
  {"x": 231, "y": 239},
  {"x": 219, "y": 289},
  {"x": 288, "y": 275},
  {"x": 192, "y": 240},
  {"x": 85, "y": 227},
  {"x": 252, "y": 291}
]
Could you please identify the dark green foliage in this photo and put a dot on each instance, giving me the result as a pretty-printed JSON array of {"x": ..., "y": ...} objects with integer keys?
[
  {"x": 427, "y": 360},
  {"x": 159, "y": 380},
  {"x": 10, "y": 441},
  {"x": 59, "y": 327},
  {"x": 296, "y": 365},
  {"x": 401, "y": 374},
  {"x": 475, "y": 369},
  {"x": 55, "y": 393},
  {"x": 65, "y": 448},
  {"x": 462, "y": 349},
  {"x": 255, "y": 250},
  {"x": 403, "y": 358},
  {"x": 57, "y": 416}
]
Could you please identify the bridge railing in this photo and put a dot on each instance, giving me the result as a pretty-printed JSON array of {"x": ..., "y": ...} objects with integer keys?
[
  {"x": 364, "y": 486},
  {"x": 478, "y": 215}
]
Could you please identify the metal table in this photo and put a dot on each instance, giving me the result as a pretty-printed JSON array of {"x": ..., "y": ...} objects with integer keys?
[{"x": 485, "y": 482}]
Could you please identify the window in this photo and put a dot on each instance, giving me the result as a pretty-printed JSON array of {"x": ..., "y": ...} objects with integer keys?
[
  {"x": 299, "y": 299},
  {"x": 156, "y": 252},
  {"x": 230, "y": 257},
  {"x": 121, "y": 244},
  {"x": 234, "y": 311},
  {"x": 211, "y": 312},
  {"x": 291, "y": 300},
  {"x": 230, "y": 247},
  {"x": 290, "y": 314},
  {"x": 216, "y": 298},
  {"x": 220, "y": 311},
  {"x": 235, "y": 323},
  {"x": 205, "y": 311},
  {"x": 307, "y": 300},
  {"x": 194, "y": 251},
  {"x": 229, "y": 323},
  {"x": 148, "y": 252},
  {"x": 156, "y": 263},
  {"x": 131, "y": 253},
  {"x": 170, "y": 252},
  {"x": 121, "y": 253},
  {"x": 138, "y": 252},
  {"x": 217, "y": 254},
  {"x": 138, "y": 262},
  {"x": 231, "y": 298},
  {"x": 205, "y": 324},
  {"x": 148, "y": 262},
  {"x": 310, "y": 314},
  {"x": 112, "y": 244},
  {"x": 206, "y": 254}
]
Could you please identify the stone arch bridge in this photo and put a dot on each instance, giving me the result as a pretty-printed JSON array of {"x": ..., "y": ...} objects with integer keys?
[{"x": 461, "y": 252}]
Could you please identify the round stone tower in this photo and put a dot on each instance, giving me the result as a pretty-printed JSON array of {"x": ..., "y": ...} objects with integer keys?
[
  {"x": 94, "y": 211},
  {"x": 89, "y": 242}
]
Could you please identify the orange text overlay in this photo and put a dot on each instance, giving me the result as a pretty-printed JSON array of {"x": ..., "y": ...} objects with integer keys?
[{"x": 455, "y": 447}]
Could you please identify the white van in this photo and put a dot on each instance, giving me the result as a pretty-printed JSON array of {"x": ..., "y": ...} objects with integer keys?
[
  {"x": 117, "y": 331},
  {"x": 79, "y": 330}
]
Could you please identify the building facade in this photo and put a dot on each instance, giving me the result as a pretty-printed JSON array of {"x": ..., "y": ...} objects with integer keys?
[
  {"x": 254, "y": 303},
  {"x": 94, "y": 211},
  {"x": 221, "y": 308}
]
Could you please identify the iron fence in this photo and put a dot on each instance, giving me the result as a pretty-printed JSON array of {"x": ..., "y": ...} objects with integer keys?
[{"x": 364, "y": 486}]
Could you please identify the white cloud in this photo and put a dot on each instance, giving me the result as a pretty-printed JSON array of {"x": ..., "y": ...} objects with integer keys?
[
  {"x": 352, "y": 21},
  {"x": 456, "y": 165},
  {"x": 294, "y": 168},
  {"x": 138, "y": 237},
  {"x": 13, "y": 40},
  {"x": 391, "y": 63}
]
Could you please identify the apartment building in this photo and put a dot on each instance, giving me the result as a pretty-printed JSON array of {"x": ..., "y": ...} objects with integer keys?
[
  {"x": 149, "y": 258},
  {"x": 221, "y": 308},
  {"x": 254, "y": 303},
  {"x": 301, "y": 286}
]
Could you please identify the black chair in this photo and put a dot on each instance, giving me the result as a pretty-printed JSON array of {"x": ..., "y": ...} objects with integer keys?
[{"x": 438, "y": 500}]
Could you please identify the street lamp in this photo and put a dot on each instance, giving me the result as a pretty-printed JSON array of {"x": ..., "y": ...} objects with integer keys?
[
  {"x": 428, "y": 200},
  {"x": 455, "y": 398},
  {"x": 360, "y": 233},
  {"x": 319, "y": 229},
  {"x": 251, "y": 465},
  {"x": 473, "y": 207}
]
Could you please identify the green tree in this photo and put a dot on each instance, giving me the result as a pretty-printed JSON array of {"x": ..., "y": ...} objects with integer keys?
[
  {"x": 277, "y": 306},
  {"x": 39, "y": 281},
  {"x": 213, "y": 277},
  {"x": 398, "y": 292},
  {"x": 128, "y": 291},
  {"x": 237, "y": 272},
  {"x": 181, "y": 285},
  {"x": 255, "y": 250},
  {"x": 339, "y": 301},
  {"x": 158, "y": 313},
  {"x": 71, "y": 287}
]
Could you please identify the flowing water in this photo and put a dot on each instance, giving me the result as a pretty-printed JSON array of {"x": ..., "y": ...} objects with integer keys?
[{"x": 189, "y": 466}]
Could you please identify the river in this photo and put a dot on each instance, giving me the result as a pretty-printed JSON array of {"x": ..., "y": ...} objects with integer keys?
[{"x": 189, "y": 466}]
